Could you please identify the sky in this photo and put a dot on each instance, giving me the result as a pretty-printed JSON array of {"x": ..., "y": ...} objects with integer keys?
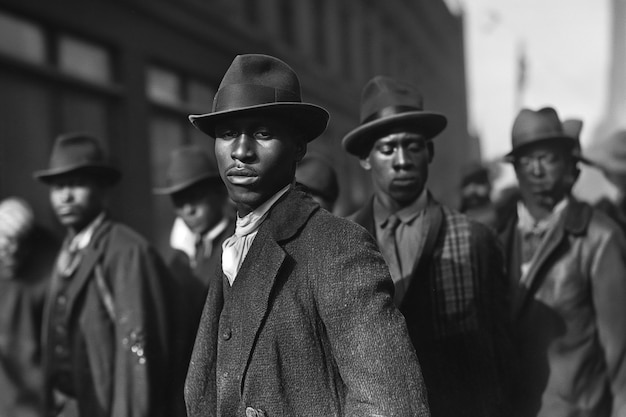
[{"x": 563, "y": 46}]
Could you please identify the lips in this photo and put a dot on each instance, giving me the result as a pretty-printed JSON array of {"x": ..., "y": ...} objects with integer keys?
[
  {"x": 404, "y": 180},
  {"x": 241, "y": 175}
]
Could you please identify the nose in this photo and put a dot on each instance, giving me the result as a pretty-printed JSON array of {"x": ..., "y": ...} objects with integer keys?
[
  {"x": 66, "y": 194},
  {"x": 243, "y": 149},
  {"x": 535, "y": 167},
  {"x": 401, "y": 158}
]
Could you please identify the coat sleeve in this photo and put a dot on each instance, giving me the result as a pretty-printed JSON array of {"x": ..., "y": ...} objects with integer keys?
[
  {"x": 367, "y": 334},
  {"x": 141, "y": 352},
  {"x": 608, "y": 289}
]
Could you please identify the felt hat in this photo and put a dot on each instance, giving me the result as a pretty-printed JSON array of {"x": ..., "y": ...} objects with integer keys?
[
  {"x": 572, "y": 128},
  {"x": 188, "y": 166},
  {"x": 531, "y": 127},
  {"x": 317, "y": 173},
  {"x": 387, "y": 103},
  {"x": 262, "y": 85},
  {"x": 74, "y": 152}
]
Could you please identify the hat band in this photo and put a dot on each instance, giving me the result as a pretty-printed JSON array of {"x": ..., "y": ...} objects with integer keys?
[
  {"x": 237, "y": 96},
  {"x": 389, "y": 111}
]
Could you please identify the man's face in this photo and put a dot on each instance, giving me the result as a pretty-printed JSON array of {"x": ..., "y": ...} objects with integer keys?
[
  {"x": 256, "y": 157},
  {"x": 76, "y": 199},
  {"x": 200, "y": 206},
  {"x": 545, "y": 173},
  {"x": 399, "y": 166}
]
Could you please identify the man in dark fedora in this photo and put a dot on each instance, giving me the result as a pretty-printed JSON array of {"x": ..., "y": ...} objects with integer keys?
[
  {"x": 105, "y": 323},
  {"x": 304, "y": 323},
  {"x": 202, "y": 224},
  {"x": 567, "y": 265},
  {"x": 448, "y": 270},
  {"x": 317, "y": 174}
]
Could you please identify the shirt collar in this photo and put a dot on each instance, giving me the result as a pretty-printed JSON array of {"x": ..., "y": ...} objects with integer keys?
[
  {"x": 527, "y": 223},
  {"x": 406, "y": 214},
  {"x": 252, "y": 220},
  {"x": 82, "y": 239}
]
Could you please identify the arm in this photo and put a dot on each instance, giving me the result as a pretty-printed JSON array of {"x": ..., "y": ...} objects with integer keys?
[
  {"x": 141, "y": 350},
  {"x": 608, "y": 281},
  {"x": 367, "y": 333}
]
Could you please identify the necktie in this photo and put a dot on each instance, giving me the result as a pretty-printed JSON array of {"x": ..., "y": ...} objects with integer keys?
[
  {"x": 530, "y": 242},
  {"x": 389, "y": 247},
  {"x": 69, "y": 258},
  {"x": 235, "y": 248},
  {"x": 197, "y": 259}
]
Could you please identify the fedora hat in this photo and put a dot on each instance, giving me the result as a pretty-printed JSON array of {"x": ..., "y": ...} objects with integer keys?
[
  {"x": 385, "y": 103},
  {"x": 572, "y": 128},
  {"x": 531, "y": 127},
  {"x": 316, "y": 172},
  {"x": 73, "y": 152},
  {"x": 188, "y": 166},
  {"x": 262, "y": 84}
]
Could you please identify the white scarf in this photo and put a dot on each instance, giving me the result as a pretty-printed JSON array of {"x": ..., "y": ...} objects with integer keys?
[{"x": 236, "y": 247}]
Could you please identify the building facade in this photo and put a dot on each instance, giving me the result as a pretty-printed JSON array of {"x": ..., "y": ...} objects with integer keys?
[{"x": 130, "y": 71}]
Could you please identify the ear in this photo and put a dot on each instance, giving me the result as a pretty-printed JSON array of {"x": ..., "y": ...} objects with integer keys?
[
  {"x": 365, "y": 163},
  {"x": 301, "y": 145},
  {"x": 431, "y": 150}
]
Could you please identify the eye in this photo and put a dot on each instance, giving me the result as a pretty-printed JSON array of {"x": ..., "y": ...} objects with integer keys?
[
  {"x": 385, "y": 149},
  {"x": 416, "y": 146},
  {"x": 227, "y": 133},
  {"x": 263, "y": 134}
]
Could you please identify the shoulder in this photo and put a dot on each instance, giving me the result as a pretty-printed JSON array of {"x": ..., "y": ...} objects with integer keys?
[
  {"x": 462, "y": 228},
  {"x": 120, "y": 239},
  {"x": 327, "y": 227}
]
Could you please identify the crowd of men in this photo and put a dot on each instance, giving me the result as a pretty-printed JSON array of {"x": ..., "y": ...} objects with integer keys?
[{"x": 268, "y": 305}]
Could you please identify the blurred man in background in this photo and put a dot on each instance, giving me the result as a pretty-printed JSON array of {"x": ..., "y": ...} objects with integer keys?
[
  {"x": 203, "y": 222},
  {"x": 317, "y": 174},
  {"x": 476, "y": 195},
  {"x": 567, "y": 264},
  {"x": 611, "y": 159},
  {"x": 27, "y": 253},
  {"x": 105, "y": 324},
  {"x": 448, "y": 270}
]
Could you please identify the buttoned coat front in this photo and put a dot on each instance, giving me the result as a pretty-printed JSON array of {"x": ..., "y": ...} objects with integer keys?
[
  {"x": 118, "y": 357},
  {"x": 308, "y": 327},
  {"x": 569, "y": 316}
]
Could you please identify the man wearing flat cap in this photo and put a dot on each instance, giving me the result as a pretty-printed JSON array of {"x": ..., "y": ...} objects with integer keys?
[
  {"x": 567, "y": 265},
  {"x": 105, "y": 319},
  {"x": 202, "y": 224},
  {"x": 448, "y": 270},
  {"x": 303, "y": 323}
]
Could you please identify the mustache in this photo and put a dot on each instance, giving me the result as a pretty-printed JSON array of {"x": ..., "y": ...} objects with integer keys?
[{"x": 241, "y": 171}]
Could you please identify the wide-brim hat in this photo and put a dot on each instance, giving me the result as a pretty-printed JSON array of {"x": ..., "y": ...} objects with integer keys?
[
  {"x": 262, "y": 85},
  {"x": 188, "y": 166},
  {"x": 79, "y": 152},
  {"x": 531, "y": 127},
  {"x": 572, "y": 128},
  {"x": 387, "y": 103}
]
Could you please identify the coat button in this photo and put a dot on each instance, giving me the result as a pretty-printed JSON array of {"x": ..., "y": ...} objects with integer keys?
[
  {"x": 251, "y": 412},
  {"x": 226, "y": 335},
  {"x": 61, "y": 300}
]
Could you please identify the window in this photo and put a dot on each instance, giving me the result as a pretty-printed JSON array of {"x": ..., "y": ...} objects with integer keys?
[
  {"x": 84, "y": 60},
  {"x": 22, "y": 39}
]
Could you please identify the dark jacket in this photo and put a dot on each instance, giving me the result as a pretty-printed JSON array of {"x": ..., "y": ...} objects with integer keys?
[
  {"x": 188, "y": 294},
  {"x": 465, "y": 355},
  {"x": 118, "y": 359},
  {"x": 307, "y": 329},
  {"x": 569, "y": 316}
]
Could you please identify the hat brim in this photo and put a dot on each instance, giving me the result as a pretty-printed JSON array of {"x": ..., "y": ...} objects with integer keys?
[
  {"x": 106, "y": 173},
  {"x": 568, "y": 142},
  {"x": 360, "y": 140},
  {"x": 309, "y": 119},
  {"x": 185, "y": 184}
]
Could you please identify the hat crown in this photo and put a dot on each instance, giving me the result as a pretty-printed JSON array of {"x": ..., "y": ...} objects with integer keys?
[
  {"x": 189, "y": 165},
  {"x": 532, "y": 126},
  {"x": 76, "y": 149},
  {"x": 384, "y": 96},
  {"x": 572, "y": 128},
  {"x": 256, "y": 79}
]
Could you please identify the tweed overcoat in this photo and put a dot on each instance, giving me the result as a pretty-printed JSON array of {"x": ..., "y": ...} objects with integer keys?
[
  {"x": 118, "y": 363},
  {"x": 308, "y": 327},
  {"x": 569, "y": 316},
  {"x": 466, "y": 370}
]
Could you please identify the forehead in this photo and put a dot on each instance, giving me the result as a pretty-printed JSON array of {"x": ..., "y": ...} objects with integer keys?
[
  {"x": 540, "y": 148},
  {"x": 400, "y": 136},
  {"x": 251, "y": 121}
]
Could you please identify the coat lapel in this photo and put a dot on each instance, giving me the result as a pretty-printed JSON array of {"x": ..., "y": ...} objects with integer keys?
[{"x": 258, "y": 274}]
